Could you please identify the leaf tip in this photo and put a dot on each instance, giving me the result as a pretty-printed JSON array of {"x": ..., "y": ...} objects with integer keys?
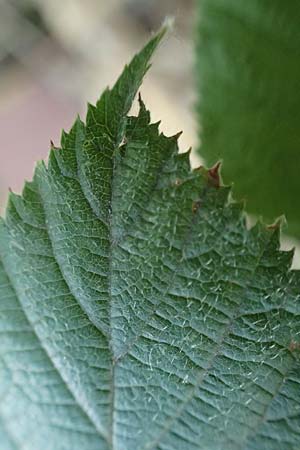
[{"x": 168, "y": 25}]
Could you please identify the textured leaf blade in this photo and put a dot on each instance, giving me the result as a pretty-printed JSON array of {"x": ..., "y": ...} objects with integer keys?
[
  {"x": 248, "y": 75},
  {"x": 137, "y": 311},
  {"x": 50, "y": 281}
]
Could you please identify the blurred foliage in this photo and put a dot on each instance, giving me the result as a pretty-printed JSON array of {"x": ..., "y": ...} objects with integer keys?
[{"x": 248, "y": 73}]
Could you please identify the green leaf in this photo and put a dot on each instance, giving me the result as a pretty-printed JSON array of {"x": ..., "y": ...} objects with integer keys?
[
  {"x": 137, "y": 312},
  {"x": 249, "y": 107}
]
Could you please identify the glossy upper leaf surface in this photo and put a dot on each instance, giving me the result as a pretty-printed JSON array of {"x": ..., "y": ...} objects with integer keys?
[
  {"x": 137, "y": 312},
  {"x": 248, "y": 72}
]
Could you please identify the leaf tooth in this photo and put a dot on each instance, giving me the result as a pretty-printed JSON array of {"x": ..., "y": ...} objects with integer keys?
[
  {"x": 25, "y": 205},
  {"x": 287, "y": 257},
  {"x": 267, "y": 238},
  {"x": 184, "y": 158},
  {"x": 53, "y": 160},
  {"x": 236, "y": 212},
  {"x": 177, "y": 168},
  {"x": 67, "y": 137},
  {"x": 143, "y": 111},
  {"x": 220, "y": 195},
  {"x": 96, "y": 121},
  {"x": 284, "y": 259},
  {"x": 12, "y": 200},
  {"x": 66, "y": 155},
  {"x": 30, "y": 189},
  {"x": 63, "y": 137},
  {"x": 214, "y": 175}
]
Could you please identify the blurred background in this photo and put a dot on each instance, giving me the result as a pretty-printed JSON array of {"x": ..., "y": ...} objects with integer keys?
[{"x": 55, "y": 56}]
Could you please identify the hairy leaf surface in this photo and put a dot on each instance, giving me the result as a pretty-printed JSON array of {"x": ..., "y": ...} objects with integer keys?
[
  {"x": 248, "y": 72},
  {"x": 137, "y": 312}
]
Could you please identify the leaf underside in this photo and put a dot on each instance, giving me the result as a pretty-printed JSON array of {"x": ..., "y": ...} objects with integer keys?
[
  {"x": 248, "y": 61},
  {"x": 136, "y": 309}
]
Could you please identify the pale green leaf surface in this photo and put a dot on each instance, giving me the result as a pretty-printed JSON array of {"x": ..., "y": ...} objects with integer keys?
[
  {"x": 248, "y": 74},
  {"x": 137, "y": 312}
]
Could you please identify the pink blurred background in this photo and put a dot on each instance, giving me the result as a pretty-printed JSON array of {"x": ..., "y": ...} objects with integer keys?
[{"x": 55, "y": 56}]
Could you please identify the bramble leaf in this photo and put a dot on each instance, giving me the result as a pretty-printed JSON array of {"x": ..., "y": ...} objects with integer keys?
[{"x": 137, "y": 312}]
